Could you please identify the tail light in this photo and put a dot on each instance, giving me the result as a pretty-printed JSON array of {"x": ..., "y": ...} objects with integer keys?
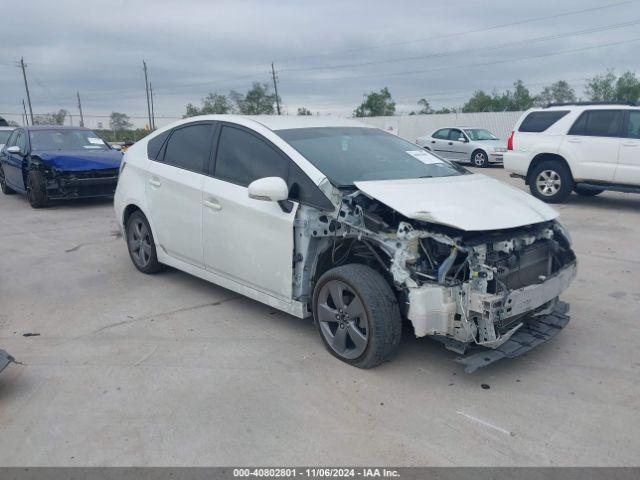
[{"x": 510, "y": 141}]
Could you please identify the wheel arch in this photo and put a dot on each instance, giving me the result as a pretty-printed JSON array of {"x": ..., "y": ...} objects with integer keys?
[{"x": 544, "y": 157}]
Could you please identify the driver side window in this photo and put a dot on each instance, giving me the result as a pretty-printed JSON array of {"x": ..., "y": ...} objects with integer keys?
[{"x": 455, "y": 135}]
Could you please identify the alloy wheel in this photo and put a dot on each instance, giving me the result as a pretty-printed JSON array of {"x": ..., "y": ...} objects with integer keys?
[
  {"x": 548, "y": 182},
  {"x": 139, "y": 242},
  {"x": 343, "y": 319},
  {"x": 479, "y": 159}
]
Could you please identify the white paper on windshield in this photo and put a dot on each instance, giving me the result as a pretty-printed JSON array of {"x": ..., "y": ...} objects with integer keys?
[
  {"x": 95, "y": 141},
  {"x": 424, "y": 157}
]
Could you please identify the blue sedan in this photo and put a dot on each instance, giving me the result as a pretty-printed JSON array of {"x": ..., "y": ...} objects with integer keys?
[{"x": 53, "y": 162}]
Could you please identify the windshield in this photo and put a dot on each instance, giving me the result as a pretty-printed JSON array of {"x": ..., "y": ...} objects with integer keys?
[
  {"x": 4, "y": 136},
  {"x": 349, "y": 154},
  {"x": 476, "y": 134},
  {"x": 67, "y": 139}
]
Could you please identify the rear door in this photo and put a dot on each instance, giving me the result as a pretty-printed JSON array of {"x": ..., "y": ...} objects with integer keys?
[
  {"x": 246, "y": 240},
  {"x": 440, "y": 142},
  {"x": 628, "y": 170},
  {"x": 593, "y": 143},
  {"x": 15, "y": 162},
  {"x": 174, "y": 191}
]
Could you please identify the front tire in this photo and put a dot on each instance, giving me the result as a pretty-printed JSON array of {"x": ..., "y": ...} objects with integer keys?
[
  {"x": 479, "y": 159},
  {"x": 37, "y": 189},
  {"x": 6, "y": 189},
  {"x": 551, "y": 182},
  {"x": 357, "y": 315},
  {"x": 140, "y": 243}
]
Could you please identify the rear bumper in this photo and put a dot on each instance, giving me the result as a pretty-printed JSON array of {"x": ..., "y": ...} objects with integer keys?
[
  {"x": 534, "y": 331},
  {"x": 516, "y": 162}
]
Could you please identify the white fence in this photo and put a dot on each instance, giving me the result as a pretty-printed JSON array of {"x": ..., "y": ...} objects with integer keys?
[{"x": 411, "y": 127}]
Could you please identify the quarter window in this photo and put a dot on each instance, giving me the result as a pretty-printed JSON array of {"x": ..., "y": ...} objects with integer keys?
[
  {"x": 537, "y": 122},
  {"x": 243, "y": 157},
  {"x": 598, "y": 123},
  {"x": 633, "y": 130},
  {"x": 189, "y": 147},
  {"x": 21, "y": 141},
  {"x": 12, "y": 139}
]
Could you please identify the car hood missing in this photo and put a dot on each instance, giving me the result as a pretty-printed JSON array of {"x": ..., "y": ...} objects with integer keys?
[
  {"x": 80, "y": 160},
  {"x": 467, "y": 202}
]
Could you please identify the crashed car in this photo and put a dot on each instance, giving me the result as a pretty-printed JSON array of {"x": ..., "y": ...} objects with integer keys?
[
  {"x": 54, "y": 162},
  {"x": 358, "y": 229}
]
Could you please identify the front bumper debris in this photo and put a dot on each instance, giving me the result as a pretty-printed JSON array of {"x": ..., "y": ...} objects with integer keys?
[
  {"x": 5, "y": 360},
  {"x": 534, "y": 331},
  {"x": 90, "y": 184}
]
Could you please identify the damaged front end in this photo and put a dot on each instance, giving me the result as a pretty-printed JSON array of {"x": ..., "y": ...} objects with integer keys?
[
  {"x": 493, "y": 292},
  {"x": 63, "y": 184}
]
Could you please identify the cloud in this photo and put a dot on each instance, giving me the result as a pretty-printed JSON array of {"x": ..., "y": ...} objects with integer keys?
[{"x": 195, "y": 47}]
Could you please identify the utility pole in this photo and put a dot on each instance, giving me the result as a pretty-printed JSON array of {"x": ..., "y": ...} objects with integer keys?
[
  {"x": 146, "y": 86},
  {"x": 24, "y": 109},
  {"x": 275, "y": 87},
  {"x": 26, "y": 86},
  {"x": 80, "y": 108},
  {"x": 153, "y": 114}
]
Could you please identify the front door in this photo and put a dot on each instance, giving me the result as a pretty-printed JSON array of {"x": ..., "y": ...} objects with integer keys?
[
  {"x": 628, "y": 170},
  {"x": 15, "y": 162},
  {"x": 456, "y": 147},
  {"x": 174, "y": 191},
  {"x": 246, "y": 240}
]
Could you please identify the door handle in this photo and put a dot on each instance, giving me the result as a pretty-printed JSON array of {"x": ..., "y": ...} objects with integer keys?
[
  {"x": 450, "y": 143},
  {"x": 630, "y": 143},
  {"x": 212, "y": 204},
  {"x": 575, "y": 140},
  {"x": 153, "y": 182},
  {"x": 433, "y": 141}
]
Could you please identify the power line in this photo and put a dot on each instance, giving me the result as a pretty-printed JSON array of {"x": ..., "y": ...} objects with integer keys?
[
  {"x": 468, "y": 50},
  {"x": 483, "y": 64},
  {"x": 467, "y": 32}
]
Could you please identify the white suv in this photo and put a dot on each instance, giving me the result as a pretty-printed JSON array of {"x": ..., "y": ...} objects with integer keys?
[
  {"x": 584, "y": 147},
  {"x": 353, "y": 226}
]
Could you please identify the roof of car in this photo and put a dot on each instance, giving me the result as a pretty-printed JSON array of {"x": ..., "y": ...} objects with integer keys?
[
  {"x": 284, "y": 122},
  {"x": 54, "y": 127}
]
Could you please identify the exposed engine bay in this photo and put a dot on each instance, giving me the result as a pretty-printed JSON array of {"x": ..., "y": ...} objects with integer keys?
[{"x": 463, "y": 288}]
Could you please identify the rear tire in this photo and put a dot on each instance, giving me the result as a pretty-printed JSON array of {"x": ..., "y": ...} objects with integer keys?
[
  {"x": 357, "y": 315},
  {"x": 37, "y": 189},
  {"x": 6, "y": 189},
  {"x": 587, "y": 192},
  {"x": 551, "y": 182},
  {"x": 141, "y": 245}
]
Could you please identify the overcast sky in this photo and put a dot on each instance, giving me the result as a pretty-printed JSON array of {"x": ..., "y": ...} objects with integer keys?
[{"x": 441, "y": 50}]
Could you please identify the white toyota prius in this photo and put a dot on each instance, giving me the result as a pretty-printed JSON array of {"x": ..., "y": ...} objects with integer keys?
[{"x": 342, "y": 222}]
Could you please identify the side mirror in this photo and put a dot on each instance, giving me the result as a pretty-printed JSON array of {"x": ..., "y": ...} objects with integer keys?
[
  {"x": 462, "y": 139},
  {"x": 270, "y": 189},
  {"x": 14, "y": 149},
  {"x": 116, "y": 147}
]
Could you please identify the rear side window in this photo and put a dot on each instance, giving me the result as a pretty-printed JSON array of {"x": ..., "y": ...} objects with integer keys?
[
  {"x": 190, "y": 147},
  {"x": 598, "y": 123},
  {"x": 633, "y": 129},
  {"x": 243, "y": 157},
  {"x": 442, "y": 134},
  {"x": 537, "y": 122},
  {"x": 155, "y": 144}
]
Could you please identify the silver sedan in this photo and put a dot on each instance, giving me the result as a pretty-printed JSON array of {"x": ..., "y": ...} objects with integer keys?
[{"x": 478, "y": 146}]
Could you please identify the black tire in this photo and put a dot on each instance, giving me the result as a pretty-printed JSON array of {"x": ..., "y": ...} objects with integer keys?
[
  {"x": 551, "y": 181},
  {"x": 380, "y": 321},
  {"x": 479, "y": 159},
  {"x": 37, "y": 189},
  {"x": 587, "y": 192},
  {"x": 6, "y": 189},
  {"x": 141, "y": 245}
]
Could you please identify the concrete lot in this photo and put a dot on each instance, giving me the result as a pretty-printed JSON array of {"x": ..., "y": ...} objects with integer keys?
[{"x": 131, "y": 369}]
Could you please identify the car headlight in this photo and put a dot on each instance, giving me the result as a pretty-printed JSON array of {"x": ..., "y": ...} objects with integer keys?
[
  {"x": 499, "y": 149},
  {"x": 564, "y": 232}
]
